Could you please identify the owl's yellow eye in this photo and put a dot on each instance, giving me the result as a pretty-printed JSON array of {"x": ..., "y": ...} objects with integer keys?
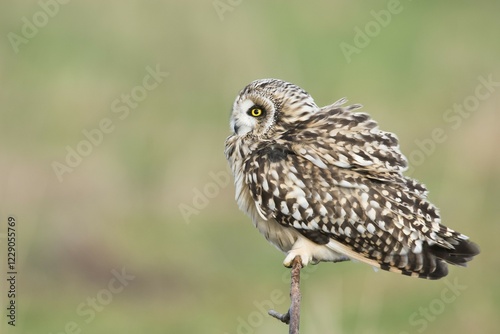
[{"x": 255, "y": 112}]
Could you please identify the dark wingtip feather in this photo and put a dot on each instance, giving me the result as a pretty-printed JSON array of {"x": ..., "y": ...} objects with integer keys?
[
  {"x": 463, "y": 252},
  {"x": 436, "y": 258},
  {"x": 440, "y": 271},
  {"x": 433, "y": 267}
]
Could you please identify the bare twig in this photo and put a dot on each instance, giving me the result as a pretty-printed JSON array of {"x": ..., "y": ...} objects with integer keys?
[{"x": 292, "y": 317}]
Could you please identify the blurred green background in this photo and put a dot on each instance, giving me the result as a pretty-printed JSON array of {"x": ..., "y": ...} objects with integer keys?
[{"x": 151, "y": 199}]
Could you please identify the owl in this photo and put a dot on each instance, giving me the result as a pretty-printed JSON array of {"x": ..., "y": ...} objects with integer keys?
[{"x": 326, "y": 184}]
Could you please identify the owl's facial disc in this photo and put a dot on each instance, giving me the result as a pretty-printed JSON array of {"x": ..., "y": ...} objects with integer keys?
[{"x": 246, "y": 116}]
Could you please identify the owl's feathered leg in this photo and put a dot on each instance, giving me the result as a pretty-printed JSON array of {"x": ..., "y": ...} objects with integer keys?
[
  {"x": 312, "y": 249},
  {"x": 292, "y": 317}
]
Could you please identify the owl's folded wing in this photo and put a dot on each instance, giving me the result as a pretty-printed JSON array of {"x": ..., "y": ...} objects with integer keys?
[
  {"x": 373, "y": 219},
  {"x": 339, "y": 137}
]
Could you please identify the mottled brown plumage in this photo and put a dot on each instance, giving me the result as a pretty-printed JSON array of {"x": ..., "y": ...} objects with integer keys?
[{"x": 327, "y": 184}]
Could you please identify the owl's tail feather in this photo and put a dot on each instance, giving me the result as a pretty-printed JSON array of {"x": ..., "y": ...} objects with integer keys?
[
  {"x": 436, "y": 258},
  {"x": 463, "y": 252},
  {"x": 431, "y": 263}
]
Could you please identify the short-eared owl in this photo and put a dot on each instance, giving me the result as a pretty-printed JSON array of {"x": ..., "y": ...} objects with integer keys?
[{"x": 327, "y": 184}]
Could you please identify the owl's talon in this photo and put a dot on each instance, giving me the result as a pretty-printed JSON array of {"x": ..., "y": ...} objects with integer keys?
[{"x": 304, "y": 259}]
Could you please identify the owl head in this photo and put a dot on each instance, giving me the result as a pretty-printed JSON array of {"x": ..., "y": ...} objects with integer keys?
[{"x": 267, "y": 106}]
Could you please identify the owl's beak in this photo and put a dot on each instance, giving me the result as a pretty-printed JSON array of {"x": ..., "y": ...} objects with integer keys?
[{"x": 239, "y": 127}]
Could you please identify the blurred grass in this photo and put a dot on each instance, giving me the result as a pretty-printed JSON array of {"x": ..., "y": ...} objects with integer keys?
[{"x": 120, "y": 207}]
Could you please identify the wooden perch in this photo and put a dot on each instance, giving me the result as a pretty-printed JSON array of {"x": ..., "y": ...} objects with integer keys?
[{"x": 292, "y": 317}]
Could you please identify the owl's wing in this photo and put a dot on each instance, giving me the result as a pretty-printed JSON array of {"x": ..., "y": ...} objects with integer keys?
[
  {"x": 336, "y": 136},
  {"x": 379, "y": 222}
]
